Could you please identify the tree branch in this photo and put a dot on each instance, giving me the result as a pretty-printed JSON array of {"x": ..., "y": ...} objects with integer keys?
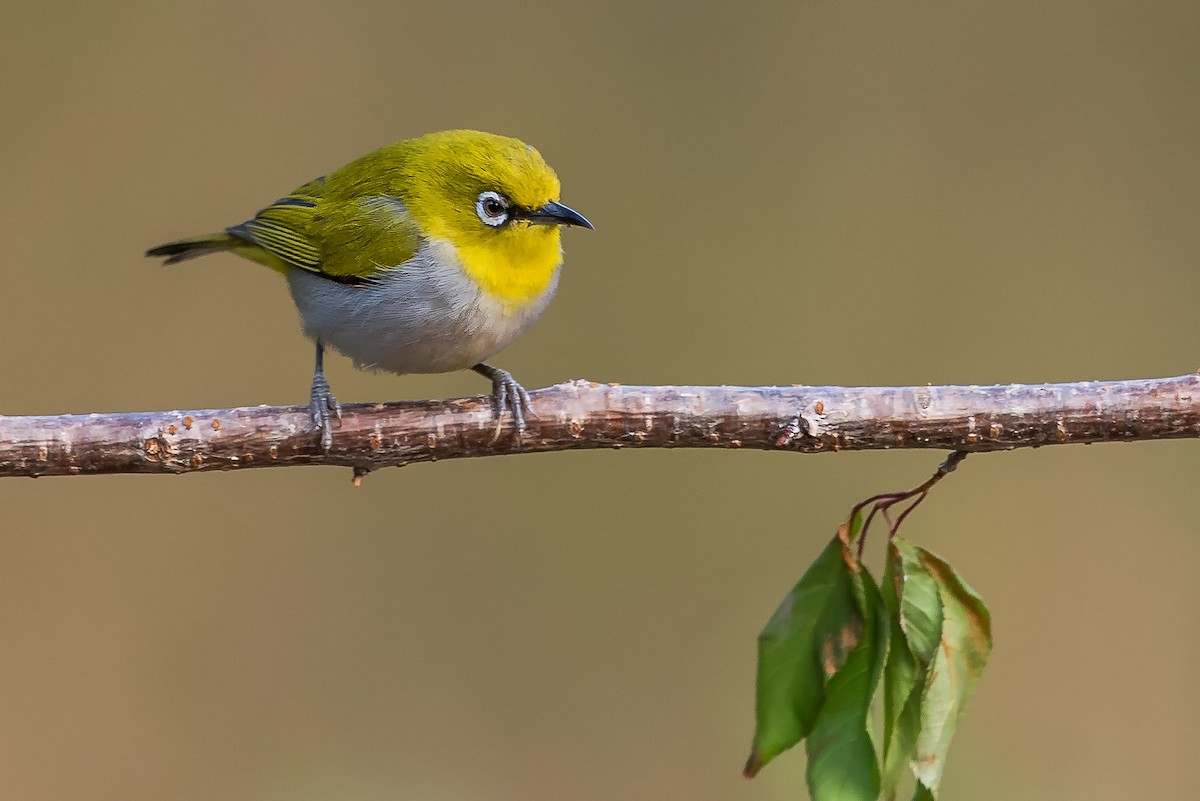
[{"x": 581, "y": 414}]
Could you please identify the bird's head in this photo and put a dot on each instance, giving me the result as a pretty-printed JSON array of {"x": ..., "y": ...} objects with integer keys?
[{"x": 494, "y": 198}]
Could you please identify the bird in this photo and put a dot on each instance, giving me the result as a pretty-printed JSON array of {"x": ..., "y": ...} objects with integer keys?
[{"x": 428, "y": 255}]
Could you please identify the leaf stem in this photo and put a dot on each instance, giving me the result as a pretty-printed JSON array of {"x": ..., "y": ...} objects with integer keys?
[{"x": 883, "y": 502}]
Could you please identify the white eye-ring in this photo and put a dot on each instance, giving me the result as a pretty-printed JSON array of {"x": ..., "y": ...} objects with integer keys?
[{"x": 492, "y": 208}]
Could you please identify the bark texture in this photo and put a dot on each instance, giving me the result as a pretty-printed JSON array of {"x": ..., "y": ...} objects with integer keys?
[{"x": 583, "y": 414}]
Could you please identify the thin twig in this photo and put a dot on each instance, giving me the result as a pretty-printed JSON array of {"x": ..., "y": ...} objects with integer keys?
[
  {"x": 583, "y": 415},
  {"x": 882, "y": 504}
]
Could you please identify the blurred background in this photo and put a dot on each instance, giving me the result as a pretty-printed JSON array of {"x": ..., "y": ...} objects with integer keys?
[{"x": 786, "y": 193}]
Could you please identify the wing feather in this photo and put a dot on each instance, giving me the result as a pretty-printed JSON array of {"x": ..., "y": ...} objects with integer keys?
[
  {"x": 344, "y": 239},
  {"x": 283, "y": 229}
]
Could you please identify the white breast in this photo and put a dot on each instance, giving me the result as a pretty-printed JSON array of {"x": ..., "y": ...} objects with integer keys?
[{"x": 425, "y": 316}]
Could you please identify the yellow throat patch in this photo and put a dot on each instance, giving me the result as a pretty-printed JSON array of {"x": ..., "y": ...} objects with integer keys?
[{"x": 515, "y": 269}]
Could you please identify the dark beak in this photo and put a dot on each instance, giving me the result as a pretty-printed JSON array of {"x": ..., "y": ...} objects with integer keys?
[{"x": 556, "y": 214}]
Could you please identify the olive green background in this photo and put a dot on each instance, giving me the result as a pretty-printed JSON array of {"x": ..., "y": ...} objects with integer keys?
[{"x": 784, "y": 193}]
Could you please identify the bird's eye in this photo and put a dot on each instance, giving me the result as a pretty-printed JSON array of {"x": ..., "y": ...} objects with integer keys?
[{"x": 492, "y": 208}]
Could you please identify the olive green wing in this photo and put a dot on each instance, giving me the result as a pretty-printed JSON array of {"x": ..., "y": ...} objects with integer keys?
[
  {"x": 348, "y": 239},
  {"x": 284, "y": 229}
]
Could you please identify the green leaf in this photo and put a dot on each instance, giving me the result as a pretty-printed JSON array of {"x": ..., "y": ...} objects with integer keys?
[
  {"x": 921, "y": 606},
  {"x": 841, "y": 755},
  {"x": 821, "y": 656},
  {"x": 850, "y": 530},
  {"x": 910, "y": 596},
  {"x": 964, "y": 647},
  {"x": 901, "y": 677},
  {"x": 923, "y": 793},
  {"x": 804, "y": 643}
]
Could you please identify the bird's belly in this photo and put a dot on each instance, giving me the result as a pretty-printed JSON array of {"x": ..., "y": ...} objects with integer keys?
[{"x": 417, "y": 318}]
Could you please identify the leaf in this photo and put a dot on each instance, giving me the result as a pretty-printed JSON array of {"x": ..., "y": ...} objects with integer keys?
[
  {"x": 921, "y": 607},
  {"x": 963, "y": 650},
  {"x": 804, "y": 643},
  {"x": 841, "y": 755},
  {"x": 923, "y": 793},
  {"x": 901, "y": 685},
  {"x": 850, "y": 530},
  {"x": 911, "y": 598},
  {"x": 821, "y": 656}
]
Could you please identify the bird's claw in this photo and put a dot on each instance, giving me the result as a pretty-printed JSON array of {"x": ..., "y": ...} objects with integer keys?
[
  {"x": 323, "y": 407},
  {"x": 508, "y": 395}
]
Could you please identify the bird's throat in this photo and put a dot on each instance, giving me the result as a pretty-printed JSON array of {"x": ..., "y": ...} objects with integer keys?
[{"x": 515, "y": 271}]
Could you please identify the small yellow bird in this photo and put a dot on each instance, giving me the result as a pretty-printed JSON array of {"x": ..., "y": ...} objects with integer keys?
[{"x": 426, "y": 256}]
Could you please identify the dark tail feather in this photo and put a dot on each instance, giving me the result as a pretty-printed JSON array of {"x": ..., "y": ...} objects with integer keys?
[{"x": 184, "y": 249}]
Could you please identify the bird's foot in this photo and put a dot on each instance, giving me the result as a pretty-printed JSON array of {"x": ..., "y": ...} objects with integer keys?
[
  {"x": 507, "y": 395},
  {"x": 323, "y": 407}
]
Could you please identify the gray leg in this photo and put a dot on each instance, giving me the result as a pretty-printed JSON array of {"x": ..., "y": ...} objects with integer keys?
[
  {"x": 323, "y": 406},
  {"x": 507, "y": 395}
]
